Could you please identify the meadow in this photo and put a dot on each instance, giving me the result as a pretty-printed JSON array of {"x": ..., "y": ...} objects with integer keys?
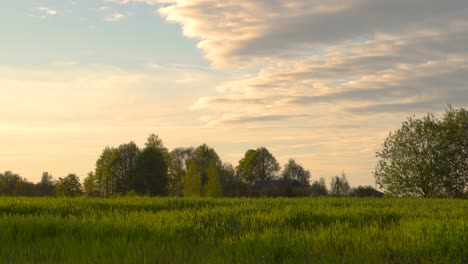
[{"x": 280, "y": 230}]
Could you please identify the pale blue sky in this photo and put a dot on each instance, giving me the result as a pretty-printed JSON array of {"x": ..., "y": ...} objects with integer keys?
[{"x": 78, "y": 32}]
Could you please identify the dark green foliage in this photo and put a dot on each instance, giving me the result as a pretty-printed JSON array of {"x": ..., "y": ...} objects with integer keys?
[
  {"x": 366, "y": 191},
  {"x": 426, "y": 157},
  {"x": 11, "y": 184},
  {"x": 294, "y": 171},
  {"x": 151, "y": 173},
  {"x": 69, "y": 186},
  {"x": 46, "y": 187},
  {"x": 257, "y": 165},
  {"x": 339, "y": 186},
  {"x": 179, "y": 163},
  {"x": 319, "y": 188}
]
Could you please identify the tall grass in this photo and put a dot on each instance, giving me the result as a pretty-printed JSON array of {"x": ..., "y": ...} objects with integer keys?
[{"x": 171, "y": 230}]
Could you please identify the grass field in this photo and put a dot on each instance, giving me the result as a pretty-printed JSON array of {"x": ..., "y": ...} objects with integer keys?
[{"x": 171, "y": 230}]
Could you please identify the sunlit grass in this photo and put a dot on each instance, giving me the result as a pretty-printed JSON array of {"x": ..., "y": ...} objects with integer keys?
[{"x": 171, "y": 230}]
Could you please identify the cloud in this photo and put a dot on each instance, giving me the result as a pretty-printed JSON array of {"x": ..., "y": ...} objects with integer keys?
[
  {"x": 45, "y": 12},
  {"x": 114, "y": 17},
  {"x": 236, "y": 32}
]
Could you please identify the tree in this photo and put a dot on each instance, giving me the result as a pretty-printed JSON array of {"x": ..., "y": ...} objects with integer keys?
[
  {"x": 124, "y": 166},
  {"x": 257, "y": 165},
  {"x": 193, "y": 182},
  {"x": 294, "y": 171},
  {"x": 454, "y": 147},
  {"x": 46, "y": 187},
  {"x": 426, "y": 157},
  {"x": 319, "y": 188},
  {"x": 151, "y": 173},
  {"x": 105, "y": 171},
  {"x": 8, "y": 182},
  {"x": 154, "y": 141},
  {"x": 232, "y": 184},
  {"x": 69, "y": 186},
  {"x": 91, "y": 185},
  {"x": 339, "y": 186},
  {"x": 179, "y": 163},
  {"x": 213, "y": 186}
]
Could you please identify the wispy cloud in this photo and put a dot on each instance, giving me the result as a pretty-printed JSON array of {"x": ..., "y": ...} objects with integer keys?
[
  {"x": 114, "y": 17},
  {"x": 47, "y": 10}
]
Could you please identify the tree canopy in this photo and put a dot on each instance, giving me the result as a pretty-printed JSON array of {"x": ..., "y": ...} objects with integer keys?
[{"x": 426, "y": 157}]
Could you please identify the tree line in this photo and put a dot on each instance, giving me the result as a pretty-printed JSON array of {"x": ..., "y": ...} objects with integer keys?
[
  {"x": 192, "y": 172},
  {"x": 426, "y": 157}
]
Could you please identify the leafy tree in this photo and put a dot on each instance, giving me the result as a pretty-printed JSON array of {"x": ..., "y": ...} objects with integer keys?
[
  {"x": 340, "y": 186},
  {"x": 426, "y": 157},
  {"x": 91, "y": 185},
  {"x": 193, "y": 182},
  {"x": 105, "y": 171},
  {"x": 8, "y": 182},
  {"x": 319, "y": 188},
  {"x": 454, "y": 150},
  {"x": 257, "y": 165},
  {"x": 124, "y": 166},
  {"x": 245, "y": 169},
  {"x": 294, "y": 171},
  {"x": 69, "y": 186},
  {"x": 232, "y": 184},
  {"x": 151, "y": 173},
  {"x": 180, "y": 159},
  {"x": 213, "y": 187},
  {"x": 154, "y": 141},
  {"x": 46, "y": 187}
]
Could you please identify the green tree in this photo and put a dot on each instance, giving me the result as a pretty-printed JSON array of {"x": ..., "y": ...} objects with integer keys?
[
  {"x": 339, "y": 186},
  {"x": 8, "y": 182},
  {"x": 213, "y": 187},
  {"x": 180, "y": 159},
  {"x": 257, "y": 165},
  {"x": 294, "y": 171},
  {"x": 105, "y": 171},
  {"x": 91, "y": 185},
  {"x": 414, "y": 160},
  {"x": 124, "y": 166},
  {"x": 46, "y": 187},
  {"x": 151, "y": 173},
  {"x": 193, "y": 182},
  {"x": 454, "y": 153},
  {"x": 319, "y": 188},
  {"x": 69, "y": 186}
]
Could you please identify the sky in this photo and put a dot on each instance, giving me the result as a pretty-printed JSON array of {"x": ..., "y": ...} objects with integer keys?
[{"x": 320, "y": 81}]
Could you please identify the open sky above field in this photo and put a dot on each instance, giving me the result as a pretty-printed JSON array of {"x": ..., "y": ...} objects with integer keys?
[{"x": 321, "y": 81}]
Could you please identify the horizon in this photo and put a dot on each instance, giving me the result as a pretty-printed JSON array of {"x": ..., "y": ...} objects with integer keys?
[{"x": 322, "y": 82}]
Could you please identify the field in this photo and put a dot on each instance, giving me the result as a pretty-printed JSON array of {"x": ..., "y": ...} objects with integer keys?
[{"x": 171, "y": 230}]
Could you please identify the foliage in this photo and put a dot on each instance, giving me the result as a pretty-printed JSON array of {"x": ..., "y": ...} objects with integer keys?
[
  {"x": 294, "y": 171},
  {"x": 339, "y": 186},
  {"x": 426, "y": 157},
  {"x": 193, "y": 181},
  {"x": 257, "y": 165},
  {"x": 46, "y": 187},
  {"x": 213, "y": 186},
  {"x": 319, "y": 188},
  {"x": 277, "y": 230},
  {"x": 151, "y": 173},
  {"x": 366, "y": 191},
  {"x": 91, "y": 185},
  {"x": 69, "y": 186},
  {"x": 180, "y": 159}
]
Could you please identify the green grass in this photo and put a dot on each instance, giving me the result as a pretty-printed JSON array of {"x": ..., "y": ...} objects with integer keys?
[{"x": 171, "y": 230}]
